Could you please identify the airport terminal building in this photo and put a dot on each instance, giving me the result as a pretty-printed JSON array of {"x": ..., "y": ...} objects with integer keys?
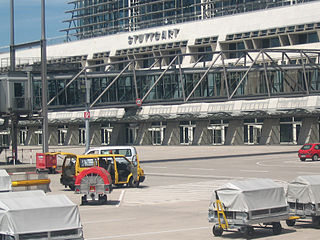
[{"x": 174, "y": 72}]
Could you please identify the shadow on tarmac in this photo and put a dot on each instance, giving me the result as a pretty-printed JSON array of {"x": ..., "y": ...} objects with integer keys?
[
  {"x": 96, "y": 203},
  {"x": 216, "y": 157},
  {"x": 259, "y": 233}
]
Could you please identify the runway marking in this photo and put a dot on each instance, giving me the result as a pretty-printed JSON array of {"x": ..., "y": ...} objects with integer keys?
[
  {"x": 283, "y": 165},
  {"x": 110, "y": 220},
  {"x": 149, "y": 233},
  {"x": 194, "y": 176},
  {"x": 314, "y": 173},
  {"x": 258, "y": 171},
  {"x": 121, "y": 197},
  {"x": 204, "y": 169},
  {"x": 155, "y": 167}
]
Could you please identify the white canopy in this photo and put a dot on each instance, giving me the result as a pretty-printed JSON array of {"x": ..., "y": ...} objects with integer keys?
[
  {"x": 5, "y": 181},
  {"x": 21, "y": 213},
  {"x": 250, "y": 195},
  {"x": 304, "y": 189}
]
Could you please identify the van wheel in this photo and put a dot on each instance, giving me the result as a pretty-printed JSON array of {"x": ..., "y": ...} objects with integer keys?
[
  {"x": 315, "y": 157},
  {"x": 302, "y": 159},
  {"x": 133, "y": 183}
]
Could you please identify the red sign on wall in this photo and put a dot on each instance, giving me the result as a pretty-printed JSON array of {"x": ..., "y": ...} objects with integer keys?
[
  {"x": 138, "y": 102},
  {"x": 86, "y": 115}
]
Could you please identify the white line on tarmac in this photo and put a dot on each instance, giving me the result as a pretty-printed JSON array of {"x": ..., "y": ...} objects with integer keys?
[
  {"x": 308, "y": 173},
  {"x": 194, "y": 176},
  {"x": 148, "y": 233},
  {"x": 204, "y": 169},
  {"x": 258, "y": 171},
  {"x": 120, "y": 198},
  {"x": 155, "y": 167},
  {"x": 110, "y": 220}
]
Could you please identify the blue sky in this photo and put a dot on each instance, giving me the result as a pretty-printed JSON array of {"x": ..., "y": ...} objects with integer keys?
[{"x": 28, "y": 20}]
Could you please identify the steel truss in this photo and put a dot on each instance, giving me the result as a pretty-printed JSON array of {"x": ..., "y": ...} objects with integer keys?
[{"x": 281, "y": 72}]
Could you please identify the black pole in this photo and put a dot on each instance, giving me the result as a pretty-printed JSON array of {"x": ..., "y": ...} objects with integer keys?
[{"x": 45, "y": 131}]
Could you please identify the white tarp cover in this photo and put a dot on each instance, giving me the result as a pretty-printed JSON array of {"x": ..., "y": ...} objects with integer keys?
[
  {"x": 250, "y": 195},
  {"x": 32, "y": 214},
  {"x": 5, "y": 181},
  {"x": 304, "y": 189}
]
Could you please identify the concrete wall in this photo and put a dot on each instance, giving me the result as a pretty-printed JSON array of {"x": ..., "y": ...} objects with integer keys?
[
  {"x": 201, "y": 135},
  {"x": 172, "y": 136},
  {"x": 118, "y": 136},
  {"x": 72, "y": 137},
  {"x": 95, "y": 134},
  {"x": 309, "y": 131},
  {"x": 143, "y": 138},
  {"x": 270, "y": 133},
  {"x": 235, "y": 133}
]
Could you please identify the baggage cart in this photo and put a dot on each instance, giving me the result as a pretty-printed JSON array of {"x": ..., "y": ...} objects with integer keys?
[
  {"x": 33, "y": 215},
  {"x": 303, "y": 196},
  {"x": 248, "y": 204},
  {"x": 46, "y": 162}
]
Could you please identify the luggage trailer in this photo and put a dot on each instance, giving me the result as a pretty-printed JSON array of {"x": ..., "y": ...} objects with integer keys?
[
  {"x": 230, "y": 220},
  {"x": 303, "y": 196}
]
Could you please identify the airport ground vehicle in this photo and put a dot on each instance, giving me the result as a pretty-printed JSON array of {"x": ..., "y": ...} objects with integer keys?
[
  {"x": 129, "y": 152},
  {"x": 122, "y": 170},
  {"x": 46, "y": 162},
  {"x": 248, "y": 204},
  {"x": 33, "y": 215},
  {"x": 94, "y": 183},
  {"x": 309, "y": 151},
  {"x": 303, "y": 196}
]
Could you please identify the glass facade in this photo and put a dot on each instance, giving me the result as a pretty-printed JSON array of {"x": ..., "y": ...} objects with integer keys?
[
  {"x": 170, "y": 88},
  {"x": 90, "y": 18}
]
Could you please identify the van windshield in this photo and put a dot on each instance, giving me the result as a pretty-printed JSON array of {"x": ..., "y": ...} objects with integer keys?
[{"x": 125, "y": 152}]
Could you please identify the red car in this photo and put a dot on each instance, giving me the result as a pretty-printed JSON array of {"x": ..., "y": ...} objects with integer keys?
[{"x": 309, "y": 150}]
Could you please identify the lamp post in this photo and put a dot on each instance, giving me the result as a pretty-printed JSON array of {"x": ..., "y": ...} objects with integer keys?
[
  {"x": 87, "y": 112},
  {"x": 45, "y": 131}
]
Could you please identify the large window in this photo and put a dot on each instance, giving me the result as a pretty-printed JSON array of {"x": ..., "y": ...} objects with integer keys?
[
  {"x": 157, "y": 132},
  {"x": 187, "y": 129},
  {"x": 219, "y": 130},
  {"x": 23, "y": 135},
  {"x": 252, "y": 131},
  {"x": 290, "y": 129},
  {"x": 82, "y": 135},
  {"x": 106, "y": 131},
  {"x": 62, "y": 133},
  {"x": 131, "y": 133}
]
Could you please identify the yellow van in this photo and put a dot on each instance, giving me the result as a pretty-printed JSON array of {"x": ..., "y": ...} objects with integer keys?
[{"x": 122, "y": 170}]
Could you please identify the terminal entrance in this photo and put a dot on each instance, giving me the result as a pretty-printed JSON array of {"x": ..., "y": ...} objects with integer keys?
[
  {"x": 252, "y": 133},
  {"x": 187, "y": 129}
]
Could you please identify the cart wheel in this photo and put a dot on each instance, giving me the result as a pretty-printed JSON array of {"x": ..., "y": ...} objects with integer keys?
[
  {"x": 84, "y": 200},
  {"x": 133, "y": 183},
  {"x": 102, "y": 199},
  {"x": 72, "y": 187},
  {"x": 217, "y": 230},
  {"x": 291, "y": 222},
  {"x": 249, "y": 231},
  {"x": 276, "y": 228},
  {"x": 316, "y": 220}
]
